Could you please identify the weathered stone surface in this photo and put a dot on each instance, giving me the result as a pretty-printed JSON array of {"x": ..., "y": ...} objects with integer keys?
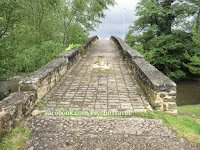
[
  {"x": 38, "y": 112},
  {"x": 46, "y": 77},
  {"x": 103, "y": 133},
  {"x": 89, "y": 88},
  {"x": 125, "y": 49},
  {"x": 74, "y": 52},
  {"x": 159, "y": 88},
  {"x": 14, "y": 108}
]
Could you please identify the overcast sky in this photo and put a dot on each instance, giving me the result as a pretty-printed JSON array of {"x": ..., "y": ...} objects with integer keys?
[{"x": 118, "y": 19}]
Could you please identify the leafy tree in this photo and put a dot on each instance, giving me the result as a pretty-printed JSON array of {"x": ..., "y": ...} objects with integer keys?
[
  {"x": 33, "y": 32},
  {"x": 194, "y": 60},
  {"x": 9, "y": 16},
  {"x": 161, "y": 26}
]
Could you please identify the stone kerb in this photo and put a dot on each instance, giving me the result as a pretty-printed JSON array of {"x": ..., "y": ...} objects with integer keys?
[
  {"x": 15, "y": 107},
  {"x": 160, "y": 90}
]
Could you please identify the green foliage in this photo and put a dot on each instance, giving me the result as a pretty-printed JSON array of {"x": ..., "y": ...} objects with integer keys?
[
  {"x": 31, "y": 58},
  {"x": 15, "y": 139},
  {"x": 9, "y": 16},
  {"x": 32, "y": 33},
  {"x": 164, "y": 36},
  {"x": 72, "y": 46},
  {"x": 194, "y": 57},
  {"x": 194, "y": 64}
]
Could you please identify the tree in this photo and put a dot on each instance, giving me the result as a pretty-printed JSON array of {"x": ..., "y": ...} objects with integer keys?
[
  {"x": 33, "y": 32},
  {"x": 194, "y": 60},
  {"x": 9, "y": 16},
  {"x": 81, "y": 15},
  {"x": 161, "y": 32}
]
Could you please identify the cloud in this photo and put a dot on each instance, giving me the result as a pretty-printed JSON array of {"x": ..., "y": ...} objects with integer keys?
[
  {"x": 108, "y": 29},
  {"x": 118, "y": 19}
]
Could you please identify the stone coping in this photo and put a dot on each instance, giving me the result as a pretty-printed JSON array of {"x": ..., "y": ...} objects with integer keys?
[
  {"x": 40, "y": 74},
  {"x": 159, "y": 81},
  {"x": 159, "y": 89},
  {"x": 126, "y": 48},
  {"x": 43, "y": 79},
  {"x": 18, "y": 105}
]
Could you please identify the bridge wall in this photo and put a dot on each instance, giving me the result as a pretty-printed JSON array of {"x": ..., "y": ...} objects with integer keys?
[
  {"x": 14, "y": 108},
  {"x": 160, "y": 90}
]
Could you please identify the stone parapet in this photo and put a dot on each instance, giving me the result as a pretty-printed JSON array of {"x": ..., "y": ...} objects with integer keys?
[
  {"x": 159, "y": 89},
  {"x": 46, "y": 77},
  {"x": 14, "y": 108}
]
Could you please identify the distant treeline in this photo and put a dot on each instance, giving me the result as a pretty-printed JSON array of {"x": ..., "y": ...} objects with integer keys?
[
  {"x": 33, "y": 32},
  {"x": 167, "y": 33}
]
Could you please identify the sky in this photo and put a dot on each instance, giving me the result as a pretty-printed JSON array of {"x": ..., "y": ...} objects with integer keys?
[{"x": 117, "y": 20}]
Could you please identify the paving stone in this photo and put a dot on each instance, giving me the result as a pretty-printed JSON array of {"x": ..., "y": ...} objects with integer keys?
[
  {"x": 107, "y": 92},
  {"x": 105, "y": 133},
  {"x": 83, "y": 83}
]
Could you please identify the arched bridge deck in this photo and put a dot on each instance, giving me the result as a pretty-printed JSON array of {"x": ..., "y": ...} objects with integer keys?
[
  {"x": 89, "y": 87},
  {"x": 75, "y": 81}
]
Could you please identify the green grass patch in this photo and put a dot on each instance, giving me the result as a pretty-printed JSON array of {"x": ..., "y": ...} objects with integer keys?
[
  {"x": 108, "y": 70},
  {"x": 185, "y": 126},
  {"x": 148, "y": 114},
  {"x": 15, "y": 139},
  {"x": 42, "y": 103},
  {"x": 72, "y": 46},
  {"x": 189, "y": 109}
]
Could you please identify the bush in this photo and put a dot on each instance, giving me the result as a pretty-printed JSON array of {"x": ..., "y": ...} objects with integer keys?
[{"x": 36, "y": 56}]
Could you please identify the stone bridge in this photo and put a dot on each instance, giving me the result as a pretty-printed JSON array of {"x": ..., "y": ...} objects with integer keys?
[{"x": 125, "y": 83}]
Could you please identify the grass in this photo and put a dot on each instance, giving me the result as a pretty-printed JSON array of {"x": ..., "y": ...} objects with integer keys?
[
  {"x": 148, "y": 114},
  {"x": 108, "y": 70},
  {"x": 189, "y": 109},
  {"x": 15, "y": 139},
  {"x": 42, "y": 103},
  {"x": 185, "y": 126}
]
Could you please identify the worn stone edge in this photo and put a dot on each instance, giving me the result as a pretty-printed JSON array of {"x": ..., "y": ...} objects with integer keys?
[
  {"x": 53, "y": 71},
  {"x": 14, "y": 109},
  {"x": 18, "y": 105},
  {"x": 160, "y": 90}
]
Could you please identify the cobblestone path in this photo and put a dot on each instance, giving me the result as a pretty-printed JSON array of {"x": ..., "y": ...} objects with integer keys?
[{"x": 89, "y": 88}]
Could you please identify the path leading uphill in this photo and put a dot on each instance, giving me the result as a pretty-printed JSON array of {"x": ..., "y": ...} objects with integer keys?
[{"x": 87, "y": 87}]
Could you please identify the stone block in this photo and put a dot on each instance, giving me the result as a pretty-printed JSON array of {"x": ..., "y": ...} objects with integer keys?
[
  {"x": 157, "y": 87},
  {"x": 13, "y": 110}
]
